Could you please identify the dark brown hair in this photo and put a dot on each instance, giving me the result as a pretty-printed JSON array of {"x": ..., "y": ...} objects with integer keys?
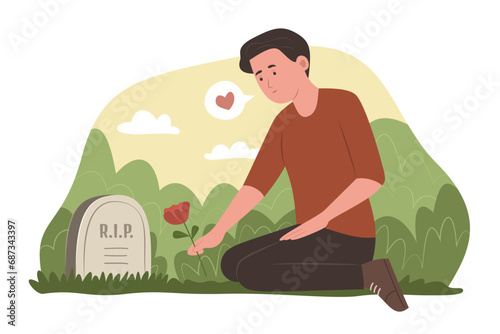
[{"x": 290, "y": 43}]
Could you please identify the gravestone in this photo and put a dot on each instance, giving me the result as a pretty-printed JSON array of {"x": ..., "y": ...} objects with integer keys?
[{"x": 108, "y": 234}]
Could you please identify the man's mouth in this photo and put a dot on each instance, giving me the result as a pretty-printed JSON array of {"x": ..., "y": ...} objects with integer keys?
[{"x": 275, "y": 91}]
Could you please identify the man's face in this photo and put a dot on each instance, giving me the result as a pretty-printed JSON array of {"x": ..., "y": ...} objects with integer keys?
[{"x": 278, "y": 76}]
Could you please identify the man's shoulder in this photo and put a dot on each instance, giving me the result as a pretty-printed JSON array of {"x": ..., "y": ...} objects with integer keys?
[
  {"x": 339, "y": 93},
  {"x": 339, "y": 99}
]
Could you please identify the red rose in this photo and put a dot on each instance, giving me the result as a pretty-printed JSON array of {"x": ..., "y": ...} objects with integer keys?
[{"x": 177, "y": 214}]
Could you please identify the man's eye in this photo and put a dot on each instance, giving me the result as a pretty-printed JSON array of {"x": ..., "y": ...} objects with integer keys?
[
  {"x": 261, "y": 79},
  {"x": 274, "y": 73}
]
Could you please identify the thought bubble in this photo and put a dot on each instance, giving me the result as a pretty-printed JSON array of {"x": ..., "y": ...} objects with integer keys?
[{"x": 225, "y": 100}]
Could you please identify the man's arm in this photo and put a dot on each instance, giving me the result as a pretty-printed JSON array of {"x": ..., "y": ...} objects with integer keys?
[
  {"x": 367, "y": 166},
  {"x": 246, "y": 198},
  {"x": 358, "y": 191},
  {"x": 244, "y": 201},
  {"x": 266, "y": 168}
]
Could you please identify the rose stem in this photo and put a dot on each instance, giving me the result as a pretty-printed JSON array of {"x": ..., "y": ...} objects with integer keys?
[{"x": 189, "y": 234}]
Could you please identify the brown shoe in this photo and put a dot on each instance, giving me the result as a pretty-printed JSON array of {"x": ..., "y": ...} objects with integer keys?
[{"x": 379, "y": 277}]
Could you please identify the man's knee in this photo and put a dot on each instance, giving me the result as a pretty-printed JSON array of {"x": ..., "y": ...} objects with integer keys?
[{"x": 250, "y": 274}]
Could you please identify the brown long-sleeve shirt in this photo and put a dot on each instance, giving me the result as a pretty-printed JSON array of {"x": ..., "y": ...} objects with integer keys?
[{"x": 323, "y": 153}]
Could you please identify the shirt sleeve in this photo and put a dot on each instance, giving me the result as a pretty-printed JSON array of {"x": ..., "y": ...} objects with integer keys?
[
  {"x": 268, "y": 164},
  {"x": 358, "y": 135}
]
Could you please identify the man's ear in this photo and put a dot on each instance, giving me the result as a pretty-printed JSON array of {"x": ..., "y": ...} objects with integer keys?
[{"x": 303, "y": 62}]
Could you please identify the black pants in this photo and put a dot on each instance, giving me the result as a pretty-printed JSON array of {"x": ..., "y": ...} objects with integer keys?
[{"x": 324, "y": 260}]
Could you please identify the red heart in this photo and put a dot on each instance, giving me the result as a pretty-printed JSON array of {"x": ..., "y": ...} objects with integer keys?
[{"x": 225, "y": 102}]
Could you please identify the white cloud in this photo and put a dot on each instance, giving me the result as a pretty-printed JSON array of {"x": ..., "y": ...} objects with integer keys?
[
  {"x": 144, "y": 123},
  {"x": 238, "y": 150}
]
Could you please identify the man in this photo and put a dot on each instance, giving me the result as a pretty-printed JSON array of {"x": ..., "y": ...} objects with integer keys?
[{"x": 325, "y": 141}]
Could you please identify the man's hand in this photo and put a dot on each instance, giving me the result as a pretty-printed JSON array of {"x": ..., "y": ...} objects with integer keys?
[
  {"x": 312, "y": 225},
  {"x": 209, "y": 240}
]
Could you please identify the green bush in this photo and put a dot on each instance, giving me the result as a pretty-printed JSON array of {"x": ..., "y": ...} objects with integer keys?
[
  {"x": 158, "y": 263},
  {"x": 437, "y": 250},
  {"x": 53, "y": 245}
]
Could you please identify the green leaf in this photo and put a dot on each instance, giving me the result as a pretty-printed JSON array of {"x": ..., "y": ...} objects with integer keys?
[
  {"x": 194, "y": 230},
  {"x": 179, "y": 234}
]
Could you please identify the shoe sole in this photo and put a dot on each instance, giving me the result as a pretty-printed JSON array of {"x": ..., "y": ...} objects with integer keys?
[{"x": 396, "y": 284}]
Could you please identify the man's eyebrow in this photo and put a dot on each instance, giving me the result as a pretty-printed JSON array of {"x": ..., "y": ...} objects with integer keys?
[{"x": 259, "y": 71}]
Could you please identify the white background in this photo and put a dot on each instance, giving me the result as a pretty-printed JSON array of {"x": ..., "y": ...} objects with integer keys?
[{"x": 430, "y": 57}]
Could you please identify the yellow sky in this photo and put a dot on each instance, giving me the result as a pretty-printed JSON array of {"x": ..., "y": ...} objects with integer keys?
[{"x": 179, "y": 158}]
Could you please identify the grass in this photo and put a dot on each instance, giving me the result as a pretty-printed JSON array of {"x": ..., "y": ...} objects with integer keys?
[
  {"x": 103, "y": 285},
  {"x": 160, "y": 283}
]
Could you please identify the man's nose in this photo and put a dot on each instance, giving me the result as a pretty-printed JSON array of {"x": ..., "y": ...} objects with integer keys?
[{"x": 269, "y": 84}]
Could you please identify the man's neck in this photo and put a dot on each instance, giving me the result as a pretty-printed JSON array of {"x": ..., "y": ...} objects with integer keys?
[{"x": 306, "y": 99}]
